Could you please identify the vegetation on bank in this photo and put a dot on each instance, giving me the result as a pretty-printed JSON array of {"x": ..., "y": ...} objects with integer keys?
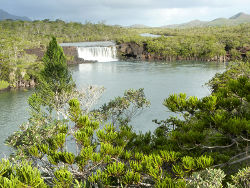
[
  {"x": 20, "y": 69},
  {"x": 201, "y": 43},
  {"x": 67, "y": 145}
]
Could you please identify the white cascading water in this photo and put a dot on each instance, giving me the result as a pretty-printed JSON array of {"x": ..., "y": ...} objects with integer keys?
[{"x": 100, "y": 54}]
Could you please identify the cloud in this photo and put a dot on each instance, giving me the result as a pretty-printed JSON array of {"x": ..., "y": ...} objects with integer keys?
[{"x": 149, "y": 12}]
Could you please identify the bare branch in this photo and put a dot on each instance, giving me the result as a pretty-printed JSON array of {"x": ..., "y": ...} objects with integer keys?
[
  {"x": 217, "y": 147},
  {"x": 245, "y": 139},
  {"x": 240, "y": 160},
  {"x": 234, "y": 162}
]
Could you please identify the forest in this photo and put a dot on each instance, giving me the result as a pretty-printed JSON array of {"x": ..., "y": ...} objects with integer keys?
[{"x": 66, "y": 143}]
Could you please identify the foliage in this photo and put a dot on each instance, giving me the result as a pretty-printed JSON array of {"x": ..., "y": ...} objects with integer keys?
[
  {"x": 193, "y": 47},
  {"x": 242, "y": 178},
  {"x": 100, "y": 156},
  {"x": 209, "y": 178},
  {"x": 215, "y": 177},
  {"x": 235, "y": 54},
  {"x": 3, "y": 84},
  {"x": 4, "y": 69},
  {"x": 15, "y": 66},
  {"x": 19, "y": 175}
]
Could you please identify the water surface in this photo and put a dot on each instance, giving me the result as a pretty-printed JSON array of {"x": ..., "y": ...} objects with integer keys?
[{"x": 159, "y": 80}]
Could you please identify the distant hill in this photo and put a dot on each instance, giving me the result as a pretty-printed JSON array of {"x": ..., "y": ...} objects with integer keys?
[
  {"x": 193, "y": 23},
  {"x": 234, "y": 20},
  {"x": 240, "y": 16},
  {"x": 5, "y": 15}
]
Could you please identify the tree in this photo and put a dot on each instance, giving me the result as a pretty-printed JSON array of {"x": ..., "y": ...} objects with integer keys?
[
  {"x": 55, "y": 83},
  {"x": 217, "y": 125},
  {"x": 121, "y": 110}
]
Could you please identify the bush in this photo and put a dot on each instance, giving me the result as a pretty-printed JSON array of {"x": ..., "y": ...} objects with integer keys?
[
  {"x": 3, "y": 84},
  {"x": 242, "y": 178},
  {"x": 209, "y": 178},
  {"x": 19, "y": 175}
]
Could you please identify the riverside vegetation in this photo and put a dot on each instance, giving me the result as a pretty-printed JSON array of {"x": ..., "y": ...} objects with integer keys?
[
  {"x": 204, "y": 43},
  {"x": 17, "y": 68},
  {"x": 65, "y": 144}
]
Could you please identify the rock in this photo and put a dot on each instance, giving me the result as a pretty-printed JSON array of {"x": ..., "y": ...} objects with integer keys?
[{"x": 132, "y": 50}]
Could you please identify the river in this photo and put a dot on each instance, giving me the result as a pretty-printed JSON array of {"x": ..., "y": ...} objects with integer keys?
[{"x": 159, "y": 80}]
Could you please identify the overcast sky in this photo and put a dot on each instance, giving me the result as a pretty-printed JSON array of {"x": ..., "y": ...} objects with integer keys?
[{"x": 126, "y": 12}]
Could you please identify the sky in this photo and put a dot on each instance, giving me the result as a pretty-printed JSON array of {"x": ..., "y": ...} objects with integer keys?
[{"x": 126, "y": 12}]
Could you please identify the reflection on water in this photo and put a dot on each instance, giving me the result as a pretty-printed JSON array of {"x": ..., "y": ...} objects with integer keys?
[{"x": 159, "y": 79}]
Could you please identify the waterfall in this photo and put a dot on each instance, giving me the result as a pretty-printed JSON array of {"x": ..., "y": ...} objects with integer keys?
[{"x": 100, "y": 54}]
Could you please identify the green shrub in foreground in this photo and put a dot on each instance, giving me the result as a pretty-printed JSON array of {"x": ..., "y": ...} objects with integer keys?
[{"x": 19, "y": 175}]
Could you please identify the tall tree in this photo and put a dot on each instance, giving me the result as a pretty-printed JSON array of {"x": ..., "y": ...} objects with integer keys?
[{"x": 55, "y": 83}]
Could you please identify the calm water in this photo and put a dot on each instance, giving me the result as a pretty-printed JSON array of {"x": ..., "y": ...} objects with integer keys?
[{"x": 159, "y": 80}]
